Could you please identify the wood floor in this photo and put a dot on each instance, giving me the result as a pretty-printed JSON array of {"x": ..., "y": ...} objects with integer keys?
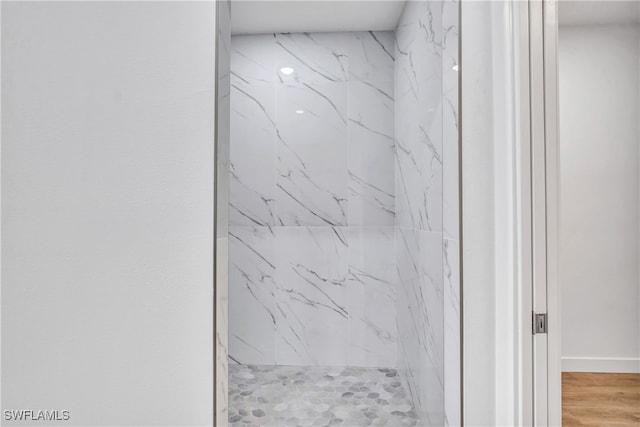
[{"x": 590, "y": 399}]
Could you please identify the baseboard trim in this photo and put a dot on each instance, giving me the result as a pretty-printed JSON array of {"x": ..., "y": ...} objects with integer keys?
[{"x": 601, "y": 364}]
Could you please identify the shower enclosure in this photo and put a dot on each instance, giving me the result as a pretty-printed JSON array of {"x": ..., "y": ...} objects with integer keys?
[{"x": 339, "y": 206}]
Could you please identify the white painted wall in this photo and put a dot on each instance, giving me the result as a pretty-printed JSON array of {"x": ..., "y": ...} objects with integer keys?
[
  {"x": 107, "y": 207},
  {"x": 223, "y": 132},
  {"x": 477, "y": 215},
  {"x": 599, "y": 202},
  {"x": 493, "y": 386}
]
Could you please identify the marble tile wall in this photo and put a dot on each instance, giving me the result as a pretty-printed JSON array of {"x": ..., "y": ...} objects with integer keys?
[
  {"x": 312, "y": 206},
  {"x": 344, "y": 203},
  {"x": 451, "y": 215},
  {"x": 426, "y": 207},
  {"x": 418, "y": 184}
]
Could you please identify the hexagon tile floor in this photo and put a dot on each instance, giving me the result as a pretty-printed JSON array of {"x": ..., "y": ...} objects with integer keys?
[{"x": 283, "y": 396}]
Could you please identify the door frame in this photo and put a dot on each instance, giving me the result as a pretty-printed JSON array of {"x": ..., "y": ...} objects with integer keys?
[
  {"x": 536, "y": 209},
  {"x": 545, "y": 162},
  {"x": 551, "y": 108},
  {"x": 525, "y": 389}
]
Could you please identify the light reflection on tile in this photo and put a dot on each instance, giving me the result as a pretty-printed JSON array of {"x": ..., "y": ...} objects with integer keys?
[
  {"x": 314, "y": 57},
  {"x": 312, "y": 154}
]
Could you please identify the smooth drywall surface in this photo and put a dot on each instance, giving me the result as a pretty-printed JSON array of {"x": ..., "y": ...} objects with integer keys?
[
  {"x": 107, "y": 207},
  {"x": 488, "y": 88},
  {"x": 223, "y": 131},
  {"x": 599, "y": 164},
  {"x": 308, "y": 16}
]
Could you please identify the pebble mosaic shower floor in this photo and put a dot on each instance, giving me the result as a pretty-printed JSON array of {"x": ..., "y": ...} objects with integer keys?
[{"x": 283, "y": 396}]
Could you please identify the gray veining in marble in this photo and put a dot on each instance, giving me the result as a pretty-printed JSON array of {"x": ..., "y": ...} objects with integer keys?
[
  {"x": 311, "y": 153},
  {"x": 312, "y": 205},
  {"x": 251, "y": 295},
  {"x": 253, "y": 137},
  {"x": 371, "y": 55},
  {"x": 344, "y": 214},
  {"x": 371, "y": 151},
  {"x": 317, "y": 396},
  {"x": 451, "y": 214},
  {"x": 452, "y": 403},
  {"x": 418, "y": 117},
  {"x": 313, "y": 147},
  {"x": 253, "y": 59},
  {"x": 426, "y": 197},
  {"x": 371, "y": 291},
  {"x": 315, "y": 57},
  {"x": 312, "y": 313}
]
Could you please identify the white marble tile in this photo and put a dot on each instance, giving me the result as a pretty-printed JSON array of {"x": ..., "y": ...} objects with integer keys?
[
  {"x": 372, "y": 297},
  {"x": 339, "y": 296},
  {"x": 253, "y": 155},
  {"x": 311, "y": 315},
  {"x": 406, "y": 171},
  {"x": 451, "y": 220},
  {"x": 252, "y": 295},
  {"x": 407, "y": 254},
  {"x": 222, "y": 330},
  {"x": 408, "y": 273},
  {"x": 253, "y": 59},
  {"x": 431, "y": 327},
  {"x": 418, "y": 54},
  {"x": 452, "y": 401},
  {"x": 420, "y": 320},
  {"x": 223, "y": 112},
  {"x": 407, "y": 246},
  {"x": 312, "y": 181},
  {"x": 418, "y": 115},
  {"x": 371, "y": 145},
  {"x": 406, "y": 31},
  {"x": 419, "y": 205},
  {"x": 426, "y": 52},
  {"x": 431, "y": 208},
  {"x": 450, "y": 44},
  {"x": 450, "y": 185},
  {"x": 371, "y": 55},
  {"x": 451, "y": 211},
  {"x": 419, "y": 176},
  {"x": 313, "y": 57}
]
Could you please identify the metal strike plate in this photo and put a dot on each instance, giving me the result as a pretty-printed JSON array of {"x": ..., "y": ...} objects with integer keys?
[{"x": 539, "y": 323}]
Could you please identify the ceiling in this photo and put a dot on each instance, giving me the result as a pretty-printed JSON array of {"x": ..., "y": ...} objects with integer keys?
[
  {"x": 268, "y": 16},
  {"x": 275, "y": 16},
  {"x": 577, "y": 12}
]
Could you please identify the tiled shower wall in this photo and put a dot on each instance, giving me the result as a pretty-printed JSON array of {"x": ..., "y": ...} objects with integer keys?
[
  {"x": 451, "y": 213},
  {"x": 344, "y": 228},
  {"x": 312, "y": 251},
  {"x": 426, "y": 189}
]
